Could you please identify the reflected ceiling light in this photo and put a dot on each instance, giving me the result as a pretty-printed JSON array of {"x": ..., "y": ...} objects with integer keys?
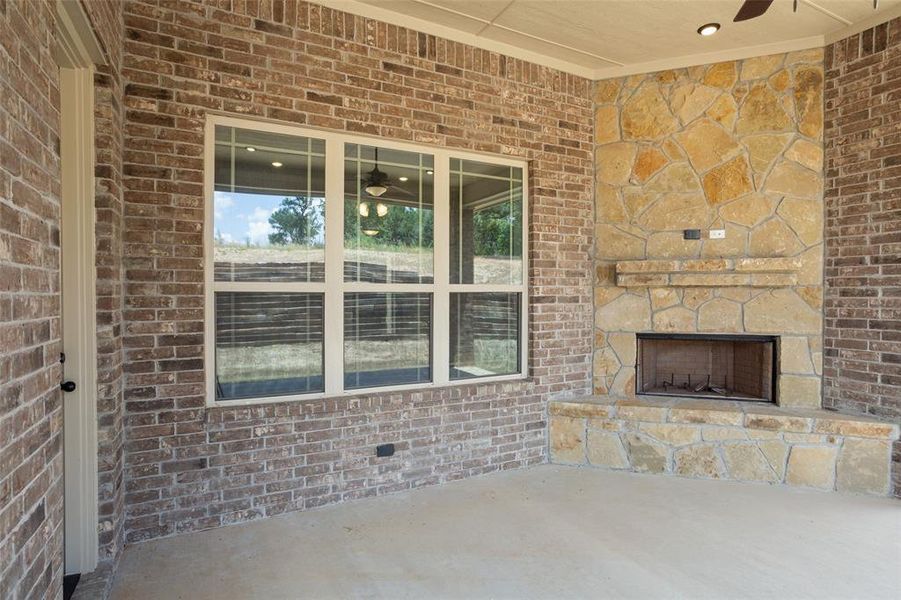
[
  {"x": 371, "y": 232},
  {"x": 375, "y": 190},
  {"x": 364, "y": 210},
  {"x": 276, "y": 164},
  {"x": 403, "y": 179},
  {"x": 709, "y": 29},
  {"x": 429, "y": 172},
  {"x": 250, "y": 149},
  {"x": 381, "y": 209}
]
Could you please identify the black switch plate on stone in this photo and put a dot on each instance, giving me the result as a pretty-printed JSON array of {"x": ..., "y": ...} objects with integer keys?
[
  {"x": 691, "y": 234},
  {"x": 384, "y": 450}
]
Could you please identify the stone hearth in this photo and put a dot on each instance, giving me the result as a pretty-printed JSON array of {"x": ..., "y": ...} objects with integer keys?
[{"x": 724, "y": 440}]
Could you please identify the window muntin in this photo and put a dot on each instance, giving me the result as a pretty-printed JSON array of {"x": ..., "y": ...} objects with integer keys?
[
  {"x": 387, "y": 339},
  {"x": 268, "y": 344},
  {"x": 485, "y": 334},
  {"x": 268, "y": 207},
  {"x": 426, "y": 358},
  {"x": 485, "y": 223},
  {"x": 388, "y": 215}
]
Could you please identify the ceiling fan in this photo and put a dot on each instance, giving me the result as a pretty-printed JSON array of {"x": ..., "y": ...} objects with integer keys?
[
  {"x": 752, "y": 9},
  {"x": 377, "y": 182}
]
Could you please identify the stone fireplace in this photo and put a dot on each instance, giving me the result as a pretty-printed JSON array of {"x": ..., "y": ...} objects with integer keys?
[
  {"x": 709, "y": 285},
  {"x": 721, "y": 367},
  {"x": 709, "y": 219}
]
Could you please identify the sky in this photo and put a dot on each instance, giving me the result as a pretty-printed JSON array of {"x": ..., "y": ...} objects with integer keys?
[{"x": 242, "y": 217}]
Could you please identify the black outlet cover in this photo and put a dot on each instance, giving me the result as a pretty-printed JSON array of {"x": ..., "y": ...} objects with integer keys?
[
  {"x": 691, "y": 234},
  {"x": 384, "y": 450}
]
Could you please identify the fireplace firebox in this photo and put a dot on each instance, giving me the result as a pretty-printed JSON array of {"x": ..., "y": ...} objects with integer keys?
[{"x": 726, "y": 367}]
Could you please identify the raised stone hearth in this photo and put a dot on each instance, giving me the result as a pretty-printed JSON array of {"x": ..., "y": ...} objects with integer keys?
[{"x": 724, "y": 440}]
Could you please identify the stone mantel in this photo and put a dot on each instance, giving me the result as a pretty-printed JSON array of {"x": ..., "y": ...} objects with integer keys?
[{"x": 713, "y": 272}]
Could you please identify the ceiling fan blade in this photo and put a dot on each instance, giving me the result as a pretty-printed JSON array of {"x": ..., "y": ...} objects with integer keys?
[
  {"x": 399, "y": 190},
  {"x": 752, "y": 9}
]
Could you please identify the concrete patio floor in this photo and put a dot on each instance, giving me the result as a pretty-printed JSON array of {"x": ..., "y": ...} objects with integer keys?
[{"x": 546, "y": 532}]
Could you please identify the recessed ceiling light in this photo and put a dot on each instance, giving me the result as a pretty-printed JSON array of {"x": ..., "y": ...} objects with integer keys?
[
  {"x": 709, "y": 28},
  {"x": 250, "y": 149},
  {"x": 403, "y": 179},
  {"x": 276, "y": 164}
]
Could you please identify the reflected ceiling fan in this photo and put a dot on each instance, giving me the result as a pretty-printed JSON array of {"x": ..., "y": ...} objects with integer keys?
[
  {"x": 752, "y": 9},
  {"x": 376, "y": 183}
]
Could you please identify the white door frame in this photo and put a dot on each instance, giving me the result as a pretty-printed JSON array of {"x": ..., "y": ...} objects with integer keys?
[{"x": 76, "y": 53}]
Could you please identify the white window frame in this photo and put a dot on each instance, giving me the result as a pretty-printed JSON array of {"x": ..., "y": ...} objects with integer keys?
[{"x": 334, "y": 286}]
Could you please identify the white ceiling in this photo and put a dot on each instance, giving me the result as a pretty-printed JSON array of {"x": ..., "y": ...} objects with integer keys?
[{"x": 609, "y": 38}]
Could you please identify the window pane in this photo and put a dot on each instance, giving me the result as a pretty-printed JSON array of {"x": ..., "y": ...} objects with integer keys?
[
  {"x": 387, "y": 339},
  {"x": 388, "y": 215},
  {"x": 268, "y": 344},
  {"x": 484, "y": 335},
  {"x": 268, "y": 207},
  {"x": 486, "y": 207}
]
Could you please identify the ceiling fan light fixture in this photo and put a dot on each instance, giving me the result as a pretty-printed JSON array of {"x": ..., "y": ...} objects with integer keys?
[
  {"x": 381, "y": 209},
  {"x": 375, "y": 190},
  {"x": 371, "y": 232},
  {"x": 708, "y": 29},
  {"x": 364, "y": 209}
]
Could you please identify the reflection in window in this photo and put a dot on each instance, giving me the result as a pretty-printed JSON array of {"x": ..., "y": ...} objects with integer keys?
[
  {"x": 268, "y": 344},
  {"x": 485, "y": 223},
  {"x": 388, "y": 215},
  {"x": 268, "y": 207},
  {"x": 386, "y": 339},
  {"x": 484, "y": 334}
]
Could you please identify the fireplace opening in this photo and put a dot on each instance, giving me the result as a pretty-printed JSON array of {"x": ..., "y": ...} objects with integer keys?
[{"x": 725, "y": 367}]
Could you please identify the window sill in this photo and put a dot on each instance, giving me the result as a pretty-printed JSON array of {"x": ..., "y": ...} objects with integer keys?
[{"x": 374, "y": 391}]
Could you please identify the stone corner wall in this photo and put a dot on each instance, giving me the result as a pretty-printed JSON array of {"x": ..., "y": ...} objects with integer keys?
[
  {"x": 862, "y": 370},
  {"x": 737, "y": 146}
]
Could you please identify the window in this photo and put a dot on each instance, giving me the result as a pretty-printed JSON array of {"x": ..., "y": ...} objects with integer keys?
[
  {"x": 484, "y": 334},
  {"x": 486, "y": 226},
  {"x": 338, "y": 264},
  {"x": 387, "y": 339},
  {"x": 268, "y": 271}
]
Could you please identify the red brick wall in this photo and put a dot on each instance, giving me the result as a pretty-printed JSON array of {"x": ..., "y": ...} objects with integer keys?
[
  {"x": 106, "y": 18},
  {"x": 31, "y": 467},
  {"x": 862, "y": 362},
  {"x": 188, "y": 467}
]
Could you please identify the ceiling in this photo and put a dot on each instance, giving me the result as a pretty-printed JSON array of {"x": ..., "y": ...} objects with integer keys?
[{"x": 610, "y": 38}]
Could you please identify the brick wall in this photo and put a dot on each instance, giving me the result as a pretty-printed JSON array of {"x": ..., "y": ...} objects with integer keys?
[
  {"x": 106, "y": 19},
  {"x": 862, "y": 370},
  {"x": 188, "y": 467},
  {"x": 31, "y": 467}
]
